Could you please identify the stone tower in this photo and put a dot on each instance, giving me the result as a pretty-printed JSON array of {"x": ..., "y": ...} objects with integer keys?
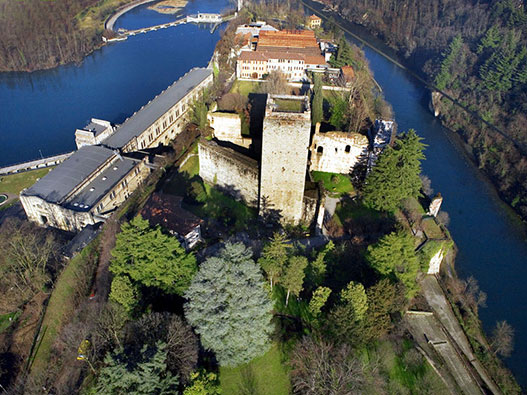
[{"x": 285, "y": 145}]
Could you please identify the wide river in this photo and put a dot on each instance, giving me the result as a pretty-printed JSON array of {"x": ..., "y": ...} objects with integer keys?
[{"x": 40, "y": 111}]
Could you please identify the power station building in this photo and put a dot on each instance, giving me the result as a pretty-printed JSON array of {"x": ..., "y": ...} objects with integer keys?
[{"x": 104, "y": 172}]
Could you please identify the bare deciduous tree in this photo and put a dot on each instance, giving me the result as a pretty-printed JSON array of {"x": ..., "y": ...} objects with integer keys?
[
  {"x": 276, "y": 83},
  {"x": 320, "y": 367},
  {"x": 502, "y": 339}
]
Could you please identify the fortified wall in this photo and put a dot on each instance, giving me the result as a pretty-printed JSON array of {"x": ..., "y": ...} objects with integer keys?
[
  {"x": 228, "y": 127},
  {"x": 337, "y": 152},
  {"x": 230, "y": 171}
]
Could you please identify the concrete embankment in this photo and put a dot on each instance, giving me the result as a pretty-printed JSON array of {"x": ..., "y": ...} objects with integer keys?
[
  {"x": 108, "y": 25},
  {"x": 35, "y": 164}
]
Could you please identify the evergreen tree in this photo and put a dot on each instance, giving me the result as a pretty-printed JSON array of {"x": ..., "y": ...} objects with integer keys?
[
  {"x": 344, "y": 55},
  {"x": 152, "y": 258},
  {"x": 444, "y": 77},
  {"x": 274, "y": 258},
  {"x": 346, "y": 319},
  {"x": 394, "y": 256},
  {"x": 317, "y": 111},
  {"x": 316, "y": 270},
  {"x": 229, "y": 306},
  {"x": 318, "y": 300},
  {"x": 124, "y": 292},
  {"x": 355, "y": 295},
  {"x": 147, "y": 375},
  {"x": 293, "y": 278},
  {"x": 396, "y": 174}
]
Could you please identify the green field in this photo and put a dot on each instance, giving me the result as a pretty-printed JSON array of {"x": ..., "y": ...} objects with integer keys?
[
  {"x": 245, "y": 87},
  {"x": 14, "y": 183},
  {"x": 264, "y": 375},
  {"x": 336, "y": 184},
  {"x": 6, "y": 320}
]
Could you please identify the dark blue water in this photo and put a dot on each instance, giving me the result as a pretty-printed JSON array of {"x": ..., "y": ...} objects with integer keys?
[
  {"x": 491, "y": 240},
  {"x": 41, "y": 110}
]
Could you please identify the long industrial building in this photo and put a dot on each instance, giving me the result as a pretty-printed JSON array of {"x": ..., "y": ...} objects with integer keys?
[{"x": 96, "y": 179}]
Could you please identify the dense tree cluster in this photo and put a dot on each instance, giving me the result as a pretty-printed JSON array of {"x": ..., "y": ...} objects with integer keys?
[
  {"x": 151, "y": 258},
  {"x": 476, "y": 51},
  {"x": 37, "y": 34},
  {"x": 396, "y": 174}
]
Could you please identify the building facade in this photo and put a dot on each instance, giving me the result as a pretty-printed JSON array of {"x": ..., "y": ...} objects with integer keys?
[
  {"x": 93, "y": 133},
  {"x": 291, "y": 52},
  {"x": 85, "y": 189},
  {"x": 96, "y": 179}
]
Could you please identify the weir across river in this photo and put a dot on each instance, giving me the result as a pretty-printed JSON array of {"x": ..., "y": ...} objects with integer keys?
[{"x": 214, "y": 19}]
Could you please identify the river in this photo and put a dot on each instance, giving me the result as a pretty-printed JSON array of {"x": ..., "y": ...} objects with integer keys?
[
  {"x": 40, "y": 111},
  {"x": 491, "y": 239}
]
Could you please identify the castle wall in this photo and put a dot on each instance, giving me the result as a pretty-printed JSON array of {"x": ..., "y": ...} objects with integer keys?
[
  {"x": 337, "y": 152},
  {"x": 230, "y": 171},
  {"x": 228, "y": 127},
  {"x": 285, "y": 144}
]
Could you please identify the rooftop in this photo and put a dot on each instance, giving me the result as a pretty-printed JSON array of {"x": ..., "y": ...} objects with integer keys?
[
  {"x": 62, "y": 180},
  {"x": 95, "y": 127},
  {"x": 98, "y": 187},
  {"x": 165, "y": 210},
  {"x": 288, "y": 38},
  {"x": 147, "y": 115},
  {"x": 287, "y": 104}
]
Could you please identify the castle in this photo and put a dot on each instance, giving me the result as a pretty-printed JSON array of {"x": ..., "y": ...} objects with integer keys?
[
  {"x": 272, "y": 173},
  {"x": 111, "y": 162}
]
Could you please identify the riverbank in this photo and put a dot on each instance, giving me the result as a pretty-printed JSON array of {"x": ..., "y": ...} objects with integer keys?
[
  {"x": 449, "y": 111},
  {"x": 491, "y": 239}
]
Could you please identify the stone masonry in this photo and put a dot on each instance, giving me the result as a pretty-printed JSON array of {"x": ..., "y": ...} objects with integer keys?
[{"x": 285, "y": 145}]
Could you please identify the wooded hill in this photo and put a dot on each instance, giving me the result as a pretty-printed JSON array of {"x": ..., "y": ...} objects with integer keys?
[
  {"x": 36, "y": 34},
  {"x": 476, "y": 51}
]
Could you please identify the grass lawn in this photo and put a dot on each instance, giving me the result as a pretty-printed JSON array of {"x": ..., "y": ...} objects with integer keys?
[
  {"x": 264, "y": 375},
  {"x": 60, "y": 308},
  {"x": 245, "y": 87},
  {"x": 406, "y": 371},
  {"x": 289, "y": 105},
  {"x": 191, "y": 166},
  {"x": 14, "y": 183},
  {"x": 355, "y": 211},
  {"x": 336, "y": 184},
  {"x": 432, "y": 229},
  {"x": 7, "y": 319}
]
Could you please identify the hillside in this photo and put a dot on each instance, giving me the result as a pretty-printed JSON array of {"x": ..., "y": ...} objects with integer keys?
[
  {"x": 476, "y": 52},
  {"x": 38, "y": 34}
]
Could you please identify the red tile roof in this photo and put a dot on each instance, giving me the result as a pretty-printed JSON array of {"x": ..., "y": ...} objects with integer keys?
[{"x": 165, "y": 210}]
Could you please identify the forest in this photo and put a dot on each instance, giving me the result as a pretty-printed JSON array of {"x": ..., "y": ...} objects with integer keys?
[
  {"x": 37, "y": 34},
  {"x": 476, "y": 52}
]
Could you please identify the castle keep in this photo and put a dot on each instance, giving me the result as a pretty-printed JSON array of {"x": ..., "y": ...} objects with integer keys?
[
  {"x": 285, "y": 144},
  {"x": 110, "y": 164}
]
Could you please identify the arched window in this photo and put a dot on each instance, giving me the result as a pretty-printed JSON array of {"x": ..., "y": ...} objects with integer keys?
[{"x": 320, "y": 149}]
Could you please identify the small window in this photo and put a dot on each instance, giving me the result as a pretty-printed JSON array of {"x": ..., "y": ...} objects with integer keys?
[
  {"x": 348, "y": 149},
  {"x": 320, "y": 149}
]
